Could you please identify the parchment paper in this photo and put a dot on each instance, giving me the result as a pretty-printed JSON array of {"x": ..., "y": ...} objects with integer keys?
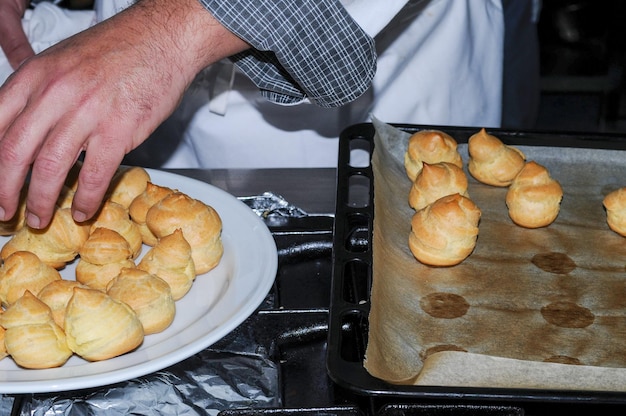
[{"x": 530, "y": 308}]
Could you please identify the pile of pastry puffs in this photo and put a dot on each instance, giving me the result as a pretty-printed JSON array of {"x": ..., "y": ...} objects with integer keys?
[{"x": 116, "y": 299}]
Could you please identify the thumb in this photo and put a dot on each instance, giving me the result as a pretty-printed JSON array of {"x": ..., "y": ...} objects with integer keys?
[{"x": 14, "y": 42}]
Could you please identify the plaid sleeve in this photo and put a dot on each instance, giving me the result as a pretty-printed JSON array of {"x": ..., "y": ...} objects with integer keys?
[{"x": 301, "y": 49}]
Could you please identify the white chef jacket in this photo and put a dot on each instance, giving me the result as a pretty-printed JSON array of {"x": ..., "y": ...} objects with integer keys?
[{"x": 439, "y": 63}]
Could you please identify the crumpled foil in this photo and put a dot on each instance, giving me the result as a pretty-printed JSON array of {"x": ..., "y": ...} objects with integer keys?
[
  {"x": 270, "y": 204},
  {"x": 204, "y": 384}
]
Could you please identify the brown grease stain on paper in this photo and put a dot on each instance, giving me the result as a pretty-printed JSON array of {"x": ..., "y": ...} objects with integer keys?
[
  {"x": 444, "y": 305},
  {"x": 552, "y": 262},
  {"x": 567, "y": 315}
]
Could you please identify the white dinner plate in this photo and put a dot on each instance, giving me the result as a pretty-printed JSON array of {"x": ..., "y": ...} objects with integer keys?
[{"x": 217, "y": 303}]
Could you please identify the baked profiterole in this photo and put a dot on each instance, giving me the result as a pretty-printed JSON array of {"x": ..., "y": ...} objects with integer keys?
[
  {"x": 32, "y": 338},
  {"x": 27, "y": 309},
  {"x": 435, "y": 181},
  {"x": 56, "y": 295},
  {"x": 97, "y": 327},
  {"x": 615, "y": 205},
  {"x": 127, "y": 184},
  {"x": 200, "y": 223},
  {"x": 445, "y": 232},
  {"x": 148, "y": 295},
  {"x": 430, "y": 146},
  {"x": 55, "y": 245},
  {"x": 102, "y": 257},
  {"x": 534, "y": 197},
  {"x": 115, "y": 217},
  {"x": 171, "y": 260},
  {"x": 138, "y": 209},
  {"x": 22, "y": 271},
  {"x": 491, "y": 161},
  {"x": 80, "y": 316}
]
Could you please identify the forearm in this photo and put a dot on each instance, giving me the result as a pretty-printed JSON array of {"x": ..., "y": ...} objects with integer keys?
[{"x": 183, "y": 31}]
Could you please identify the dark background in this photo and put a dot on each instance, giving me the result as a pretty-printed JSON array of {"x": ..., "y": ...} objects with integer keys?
[{"x": 582, "y": 45}]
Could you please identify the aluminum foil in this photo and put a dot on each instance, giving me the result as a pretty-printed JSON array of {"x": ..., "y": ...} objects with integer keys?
[
  {"x": 270, "y": 204},
  {"x": 6, "y": 405},
  {"x": 204, "y": 384}
]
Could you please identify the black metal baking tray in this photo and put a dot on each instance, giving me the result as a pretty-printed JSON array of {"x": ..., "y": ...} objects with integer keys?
[{"x": 352, "y": 275}]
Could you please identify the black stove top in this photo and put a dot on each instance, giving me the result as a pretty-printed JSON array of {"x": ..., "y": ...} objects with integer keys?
[{"x": 290, "y": 331}]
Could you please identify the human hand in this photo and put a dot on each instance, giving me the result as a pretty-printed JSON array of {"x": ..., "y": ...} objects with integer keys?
[
  {"x": 101, "y": 92},
  {"x": 13, "y": 40}
]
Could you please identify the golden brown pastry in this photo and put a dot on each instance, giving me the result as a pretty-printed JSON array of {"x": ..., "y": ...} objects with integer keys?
[
  {"x": 24, "y": 271},
  {"x": 102, "y": 257},
  {"x": 56, "y": 295},
  {"x": 200, "y": 223},
  {"x": 55, "y": 245},
  {"x": 98, "y": 327},
  {"x": 430, "y": 146},
  {"x": 127, "y": 184},
  {"x": 32, "y": 338},
  {"x": 171, "y": 260},
  {"x": 615, "y": 205},
  {"x": 26, "y": 310},
  {"x": 534, "y": 197},
  {"x": 435, "y": 181},
  {"x": 115, "y": 217},
  {"x": 148, "y": 295},
  {"x": 491, "y": 161},
  {"x": 37, "y": 346},
  {"x": 141, "y": 204},
  {"x": 445, "y": 232}
]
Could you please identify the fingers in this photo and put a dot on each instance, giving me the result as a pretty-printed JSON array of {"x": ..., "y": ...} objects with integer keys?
[
  {"x": 16, "y": 154},
  {"x": 100, "y": 164},
  {"x": 13, "y": 40},
  {"x": 47, "y": 139},
  {"x": 58, "y": 152},
  {"x": 36, "y": 138}
]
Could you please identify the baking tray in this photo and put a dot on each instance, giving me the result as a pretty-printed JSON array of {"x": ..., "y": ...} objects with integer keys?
[{"x": 352, "y": 272}]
